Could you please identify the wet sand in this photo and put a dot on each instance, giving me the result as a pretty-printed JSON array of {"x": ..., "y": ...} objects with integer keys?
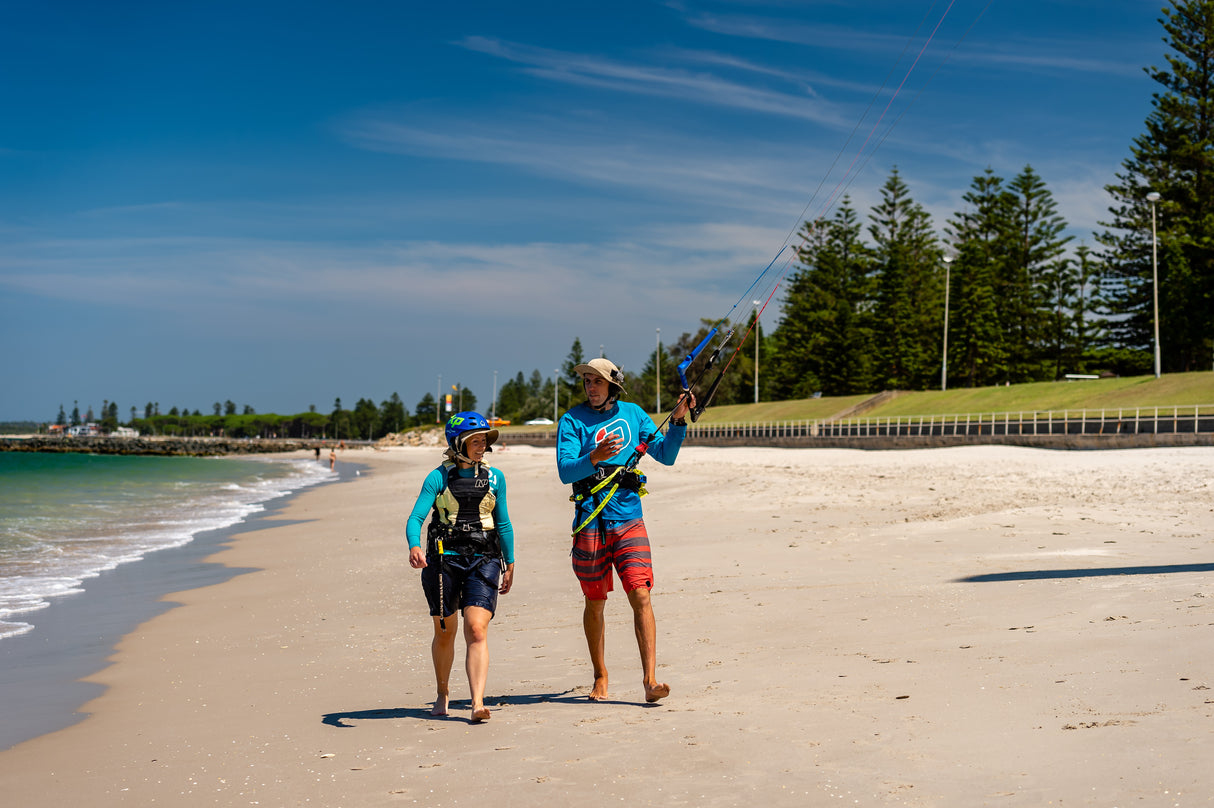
[{"x": 949, "y": 627}]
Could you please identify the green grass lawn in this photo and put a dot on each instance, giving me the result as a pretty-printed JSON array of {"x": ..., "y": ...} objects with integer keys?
[
  {"x": 1176, "y": 389},
  {"x": 1171, "y": 390}
]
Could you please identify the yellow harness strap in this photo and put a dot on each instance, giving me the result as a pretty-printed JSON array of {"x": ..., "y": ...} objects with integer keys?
[
  {"x": 611, "y": 493},
  {"x": 602, "y": 504}
]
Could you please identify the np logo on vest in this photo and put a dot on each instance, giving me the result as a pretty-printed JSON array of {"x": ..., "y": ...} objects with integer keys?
[{"x": 619, "y": 428}]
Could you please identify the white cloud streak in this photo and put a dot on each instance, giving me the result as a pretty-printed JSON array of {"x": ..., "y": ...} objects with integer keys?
[{"x": 699, "y": 88}]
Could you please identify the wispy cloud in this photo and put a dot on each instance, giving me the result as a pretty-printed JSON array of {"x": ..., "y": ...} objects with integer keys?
[
  {"x": 808, "y": 79},
  {"x": 738, "y": 175},
  {"x": 700, "y": 88},
  {"x": 521, "y": 282},
  {"x": 821, "y": 36},
  {"x": 1040, "y": 54},
  {"x": 1052, "y": 57}
]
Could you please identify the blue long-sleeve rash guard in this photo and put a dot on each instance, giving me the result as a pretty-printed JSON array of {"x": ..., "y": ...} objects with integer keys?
[
  {"x": 434, "y": 484},
  {"x": 582, "y": 428}
]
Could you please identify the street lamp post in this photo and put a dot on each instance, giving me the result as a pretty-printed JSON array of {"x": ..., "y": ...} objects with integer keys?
[
  {"x": 658, "y": 371},
  {"x": 438, "y": 408},
  {"x": 758, "y": 337},
  {"x": 556, "y": 391},
  {"x": 944, "y": 364},
  {"x": 1153, "y": 197},
  {"x": 495, "y": 395}
]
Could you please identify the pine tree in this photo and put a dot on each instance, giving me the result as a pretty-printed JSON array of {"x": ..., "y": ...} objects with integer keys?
[
  {"x": 796, "y": 341},
  {"x": 426, "y": 411},
  {"x": 823, "y": 342},
  {"x": 1174, "y": 158},
  {"x": 909, "y": 306},
  {"x": 1062, "y": 285},
  {"x": 642, "y": 388},
  {"x": 576, "y": 357},
  {"x": 975, "y": 337},
  {"x": 392, "y": 414},
  {"x": 1086, "y": 327},
  {"x": 365, "y": 419},
  {"x": 1031, "y": 274},
  {"x": 512, "y": 398}
]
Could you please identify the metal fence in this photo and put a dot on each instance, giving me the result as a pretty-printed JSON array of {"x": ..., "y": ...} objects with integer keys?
[
  {"x": 1139, "y": 421},
  {"x": 1122, "y": 428}
]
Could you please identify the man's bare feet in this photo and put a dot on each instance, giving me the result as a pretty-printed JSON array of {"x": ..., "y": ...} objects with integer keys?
[
  {"x": 655, "y": 691},
  {"x": 481, "y": 714},
  {"x": 440, "y": 706},
  {"x": 599, "y": 691}
]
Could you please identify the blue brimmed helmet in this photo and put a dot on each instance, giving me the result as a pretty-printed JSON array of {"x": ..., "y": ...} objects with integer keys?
[{"x": 464, "y": 425}]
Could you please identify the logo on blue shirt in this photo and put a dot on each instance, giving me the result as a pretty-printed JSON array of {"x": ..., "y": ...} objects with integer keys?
[{"x": 620, "y": 428}]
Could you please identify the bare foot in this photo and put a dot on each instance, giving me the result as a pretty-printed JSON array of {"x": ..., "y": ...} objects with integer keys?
[
  {"x": 481, "y": 714},
  {"x": 440, "y": 706},
  {"x": 599, "y": 691},
  {"x": 658, "y": 690}
]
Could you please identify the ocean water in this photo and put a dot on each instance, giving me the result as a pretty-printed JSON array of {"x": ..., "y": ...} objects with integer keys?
[{"x": 66, "y": 518}]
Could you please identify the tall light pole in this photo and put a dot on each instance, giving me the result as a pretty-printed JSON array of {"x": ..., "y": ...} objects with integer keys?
[
  {"x": 944, "y": 365},
  {"x": 556, "y": 391},
  {"x": 438, "y": 408},
  {"x": 1153, "y": 197},
  {"x": 657, "y": 365},
  {"x": 495, "y": 395},
  {"x": 758, "y": 335}
]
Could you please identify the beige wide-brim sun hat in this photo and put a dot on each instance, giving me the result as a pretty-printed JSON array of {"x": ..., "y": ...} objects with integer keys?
[{"x": 604, "y": 368}]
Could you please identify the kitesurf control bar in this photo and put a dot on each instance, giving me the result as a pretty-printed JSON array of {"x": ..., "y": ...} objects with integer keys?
[{"x": 686, "y": 363}]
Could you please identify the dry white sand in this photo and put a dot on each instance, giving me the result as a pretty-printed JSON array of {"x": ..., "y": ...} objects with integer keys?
[{"x": 951, "y": 627}]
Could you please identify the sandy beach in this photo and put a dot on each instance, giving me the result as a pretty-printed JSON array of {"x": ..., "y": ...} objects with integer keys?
[{"x": 951, "y": 627}]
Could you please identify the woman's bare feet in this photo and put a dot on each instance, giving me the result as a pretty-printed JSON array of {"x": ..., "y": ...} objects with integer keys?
[
  {"x": 599, "y": 691},
  {"x": 440, "y": 706},
  {"x": 655, "y": 691},
  {"x": 480, "y": 714}
]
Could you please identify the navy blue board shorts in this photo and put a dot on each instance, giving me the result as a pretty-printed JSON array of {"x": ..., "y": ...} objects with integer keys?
[{"x": 467, "y": 581}]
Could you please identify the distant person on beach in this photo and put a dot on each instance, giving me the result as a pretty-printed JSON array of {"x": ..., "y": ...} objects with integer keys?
[
  {"x": 594, "y": 441},
  {"x": 317, "y": 454},
  {"x": 332, "y": 459},
  {"x": 469, "y": 548}
]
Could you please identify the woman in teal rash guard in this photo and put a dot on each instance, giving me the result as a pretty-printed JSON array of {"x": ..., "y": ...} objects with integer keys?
[{"x": 469, "y": 556}]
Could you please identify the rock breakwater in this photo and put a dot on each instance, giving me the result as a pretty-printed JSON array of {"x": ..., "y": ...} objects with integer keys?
[{"x": 195, "y": 447}]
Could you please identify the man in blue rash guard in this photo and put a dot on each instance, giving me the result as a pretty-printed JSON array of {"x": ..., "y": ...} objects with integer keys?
[
  {"x": 594, "y": 439},
  {"x": 470, "y": 546}
]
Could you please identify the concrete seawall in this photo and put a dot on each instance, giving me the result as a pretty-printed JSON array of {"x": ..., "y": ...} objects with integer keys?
[{"x": 1078, "y": 442}]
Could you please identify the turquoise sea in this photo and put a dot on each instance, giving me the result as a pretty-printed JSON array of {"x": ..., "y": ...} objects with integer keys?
[{"x": 66, "y": 518}]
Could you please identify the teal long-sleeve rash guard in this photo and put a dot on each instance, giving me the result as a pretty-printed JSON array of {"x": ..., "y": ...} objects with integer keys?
[{"x": 434, "y": 484}]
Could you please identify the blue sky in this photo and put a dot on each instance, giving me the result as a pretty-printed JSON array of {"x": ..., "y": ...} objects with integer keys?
[{"x": 285, "y": 203}]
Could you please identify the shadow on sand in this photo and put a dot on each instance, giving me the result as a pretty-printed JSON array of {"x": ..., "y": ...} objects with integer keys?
[
  {"x": 1040, "y": 575},
  {"x": 568, "y": 697}
]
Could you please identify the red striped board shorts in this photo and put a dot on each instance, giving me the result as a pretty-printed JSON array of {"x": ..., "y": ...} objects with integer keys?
[{"x": 625, "y": 546}]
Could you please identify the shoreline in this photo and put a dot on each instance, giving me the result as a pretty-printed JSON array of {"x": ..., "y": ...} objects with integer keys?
[
  {"x": 74, "y": 636},
  {"x": 171, "y": 446},
  {"x": 835, "y": 625}
]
